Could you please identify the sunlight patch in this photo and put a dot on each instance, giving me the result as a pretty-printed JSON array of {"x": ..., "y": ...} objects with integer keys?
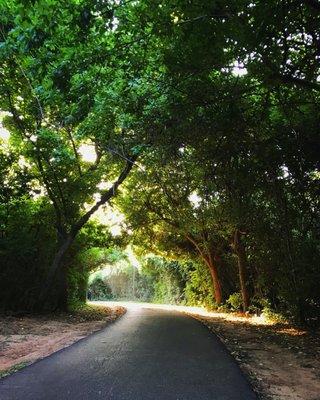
[{"x": 88, "y": 153}]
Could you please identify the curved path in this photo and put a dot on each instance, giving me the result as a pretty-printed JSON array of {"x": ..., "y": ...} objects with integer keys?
[{"x": 148, "y": 354}]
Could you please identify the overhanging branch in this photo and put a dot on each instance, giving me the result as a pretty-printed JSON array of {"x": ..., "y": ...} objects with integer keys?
[{"x": 106, "y": 196}]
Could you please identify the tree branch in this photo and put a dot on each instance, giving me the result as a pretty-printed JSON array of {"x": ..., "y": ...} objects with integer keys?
[
  {"x": 74, "y": 150},
  {"x": 106, "y": 196},
  {"x": 299, "y": 81}
]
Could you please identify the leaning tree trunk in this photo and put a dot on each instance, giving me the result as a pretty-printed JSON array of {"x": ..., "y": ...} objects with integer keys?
[
  {"x": 215, "y": 280},
  {"x": 242, "y": 269},
  {"x": 209, "y": 260},
  {"x": 67, "y": 239}
]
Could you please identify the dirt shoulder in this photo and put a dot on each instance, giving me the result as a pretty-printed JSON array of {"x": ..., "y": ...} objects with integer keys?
[
  {"x": 26, "y": 339},
  {"x": 281, "y": 362}
]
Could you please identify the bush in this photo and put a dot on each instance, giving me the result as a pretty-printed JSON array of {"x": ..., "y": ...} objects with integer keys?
[
  {"x": 199, "y": 290},
  {"x": 100, "y": 289},
  {"x": 235, "y": 301},
  {"x": 27, "y": 244}
]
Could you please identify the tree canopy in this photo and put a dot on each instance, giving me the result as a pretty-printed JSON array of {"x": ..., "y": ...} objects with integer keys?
[{"x": 201, "y": 120}]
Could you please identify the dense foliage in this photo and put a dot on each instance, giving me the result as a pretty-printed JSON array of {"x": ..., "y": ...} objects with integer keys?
[
  {"x": 155, "y": 280},
  {"x": 207, "y": 115}
]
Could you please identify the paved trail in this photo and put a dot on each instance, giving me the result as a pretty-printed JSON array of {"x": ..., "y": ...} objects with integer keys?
[{"x": 148, "y": 354}]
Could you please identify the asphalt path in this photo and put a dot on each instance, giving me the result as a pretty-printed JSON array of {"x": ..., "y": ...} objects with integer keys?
[{"x": 148, "y": 354}]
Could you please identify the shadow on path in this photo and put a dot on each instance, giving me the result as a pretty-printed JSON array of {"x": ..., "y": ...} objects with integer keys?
[{"x": 148, "y": 354}]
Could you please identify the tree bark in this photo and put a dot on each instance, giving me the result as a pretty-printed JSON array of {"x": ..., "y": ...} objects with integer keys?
[
  {"x": 216, "y": 281},
  {"x": 68, "y": 238},
  {"x": 61, "y": 302},
  {"x": 209, "y": 260},
  {"x": 242, "y": 268},
  {"x": 54, "y": 270}
]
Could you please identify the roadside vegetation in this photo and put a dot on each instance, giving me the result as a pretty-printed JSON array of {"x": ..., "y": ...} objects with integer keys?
[
  {"x": 197, "y": 122},
  {"x": 154, "y": 279}
]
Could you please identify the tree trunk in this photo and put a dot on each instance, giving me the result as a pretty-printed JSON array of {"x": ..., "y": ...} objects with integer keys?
[
  {"x": 61, "y": 289},
  {"x": 242, "y": 268},
  {"x": 55, "y": 271},
  {"x": 216, "y": 281},
  {"x": 209, "y": 260},
  {"x": 66, "y": 239}
]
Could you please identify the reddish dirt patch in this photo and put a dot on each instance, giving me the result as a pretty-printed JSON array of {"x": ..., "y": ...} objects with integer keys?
[
  {"x": 26, "y": 339},
  {"x": 281, "y": 362}
]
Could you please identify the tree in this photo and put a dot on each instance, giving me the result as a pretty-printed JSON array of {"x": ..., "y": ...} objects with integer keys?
[
  {"x": 166, "y": 215},
  {"x": 240, "y": 89},
  {"x": 53, "y": 109},
  {"x": 220, "y": 97}
]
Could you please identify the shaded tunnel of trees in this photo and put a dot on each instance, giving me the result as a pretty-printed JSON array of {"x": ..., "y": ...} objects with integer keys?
[{"x": 201, "y": 120}]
